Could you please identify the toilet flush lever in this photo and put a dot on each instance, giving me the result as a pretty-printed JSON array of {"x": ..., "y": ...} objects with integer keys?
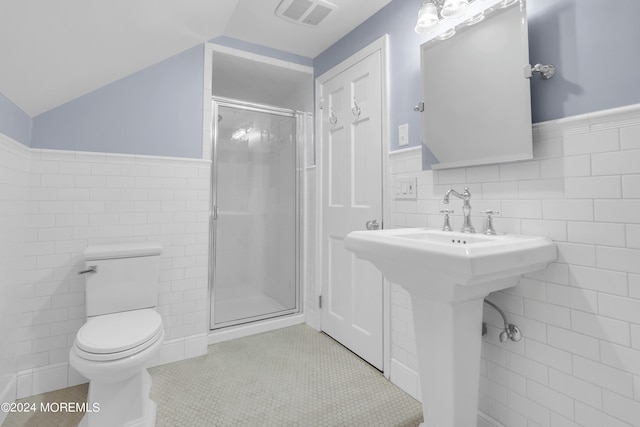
[{"x": 91, "y": 269}]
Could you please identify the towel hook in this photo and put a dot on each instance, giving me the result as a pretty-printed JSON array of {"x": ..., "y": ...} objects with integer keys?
[
  {"x": 332, "y": 118},
  {"x": 355, "y": 110}
]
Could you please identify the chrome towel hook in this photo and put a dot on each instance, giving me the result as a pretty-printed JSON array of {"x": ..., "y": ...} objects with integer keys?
[
  {"x": 355, "y": 110},
  {"x": 332, "y": 118}
]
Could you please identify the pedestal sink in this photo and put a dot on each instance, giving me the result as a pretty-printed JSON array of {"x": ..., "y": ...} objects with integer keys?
[{"x": 448, "y": 274}]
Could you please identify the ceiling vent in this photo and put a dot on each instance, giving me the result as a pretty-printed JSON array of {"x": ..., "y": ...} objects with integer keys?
[{"x": 305, "y": 12}]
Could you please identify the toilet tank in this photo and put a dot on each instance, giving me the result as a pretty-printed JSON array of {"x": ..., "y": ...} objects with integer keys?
[{"x": 126, "y": 277}]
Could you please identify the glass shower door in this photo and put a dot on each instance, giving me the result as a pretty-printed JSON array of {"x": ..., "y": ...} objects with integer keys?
[{"x": 255, "y": 219}]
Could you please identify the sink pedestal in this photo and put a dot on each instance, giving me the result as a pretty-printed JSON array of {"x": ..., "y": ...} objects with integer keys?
[
  {"x": 448, "y": 339},
  {"x": 448, "y": 275},
  {"x": 448, "y": 329}
]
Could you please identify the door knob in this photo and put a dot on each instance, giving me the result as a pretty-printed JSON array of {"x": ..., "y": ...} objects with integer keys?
[{"x": 372, "y": 225}]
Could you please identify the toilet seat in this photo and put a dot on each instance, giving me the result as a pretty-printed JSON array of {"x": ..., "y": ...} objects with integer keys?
[{"x": 118, "y": 335}]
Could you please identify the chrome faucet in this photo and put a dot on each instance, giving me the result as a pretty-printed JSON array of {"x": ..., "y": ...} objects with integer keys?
[{"x": 466, "y": 208}]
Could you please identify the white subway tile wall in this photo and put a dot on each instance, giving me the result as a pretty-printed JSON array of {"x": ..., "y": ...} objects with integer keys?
[
  {"x": 77, "y": 199},
  {"x": 579, "y": 361},
  {"x": 14, "y": 178}
]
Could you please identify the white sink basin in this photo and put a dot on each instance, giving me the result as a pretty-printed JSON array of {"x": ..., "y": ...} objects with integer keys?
[
  {"x": 426, "y": 259},
  {"x": 448, "y": 274}
]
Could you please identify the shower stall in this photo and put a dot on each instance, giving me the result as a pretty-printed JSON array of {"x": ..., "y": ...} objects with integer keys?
[{"x": 254, "y": 274}]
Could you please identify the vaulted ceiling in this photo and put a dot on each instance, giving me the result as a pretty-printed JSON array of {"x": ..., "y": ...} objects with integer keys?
[{"x": 54, "y": 51}]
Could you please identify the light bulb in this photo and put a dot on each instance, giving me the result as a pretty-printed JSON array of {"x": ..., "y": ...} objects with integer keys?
[
  {"x": 507, "y": 3},
  {"x": 447, "y": 34},
  {"x": 427, "y": 18},
  {"x": 474, "y": 19},
  {"x": 454, "y": 8}
]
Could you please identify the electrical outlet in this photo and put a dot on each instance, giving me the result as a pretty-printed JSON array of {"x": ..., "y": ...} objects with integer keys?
[{"x": 405, "y": 189}]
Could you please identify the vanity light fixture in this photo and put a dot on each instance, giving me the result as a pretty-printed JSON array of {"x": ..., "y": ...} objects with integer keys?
[{"x": 433, "y": 12}]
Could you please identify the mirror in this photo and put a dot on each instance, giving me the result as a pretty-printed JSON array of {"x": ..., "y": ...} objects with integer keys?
[{"x": 477, "y": 101}]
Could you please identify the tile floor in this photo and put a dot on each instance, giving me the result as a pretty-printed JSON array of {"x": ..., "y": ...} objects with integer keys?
[{"x": 290, "y": 377}]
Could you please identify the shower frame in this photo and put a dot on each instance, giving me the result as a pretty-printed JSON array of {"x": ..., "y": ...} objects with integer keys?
[{"x": 298, "y": 147}]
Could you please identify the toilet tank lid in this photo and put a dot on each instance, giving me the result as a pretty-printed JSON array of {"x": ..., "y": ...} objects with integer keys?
[{"x": 123, "y": 250}]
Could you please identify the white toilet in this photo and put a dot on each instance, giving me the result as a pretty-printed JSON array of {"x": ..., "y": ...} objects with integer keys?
[{"x": 122, "y": 333}]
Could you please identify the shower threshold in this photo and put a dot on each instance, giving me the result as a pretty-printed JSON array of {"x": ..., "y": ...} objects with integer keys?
[
  {"x": 229, "y": 312},
  {"x": 255, "y": 327}
]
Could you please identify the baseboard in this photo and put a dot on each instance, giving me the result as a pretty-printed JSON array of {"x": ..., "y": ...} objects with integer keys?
[
  {"x": 254, "y": 328},
  {"x": 181, "y": 349},
  {"x": 405, "y": 379},
  {"x": 46, "y": 378},
  {"x": 485, "y": 420},
  {"x": 312, "y": 318},
  {"x": 34, "y": 381},
  {"x": 8, "y": 394}
]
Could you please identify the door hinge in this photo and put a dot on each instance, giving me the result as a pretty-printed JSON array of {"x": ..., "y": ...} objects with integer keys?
[{"x": 319, "y": 301}]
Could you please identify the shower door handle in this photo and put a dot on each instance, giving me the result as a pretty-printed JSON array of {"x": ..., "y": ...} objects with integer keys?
[
  {"x": 372, "y": 225},
  {"x": 215, "y": 212}
]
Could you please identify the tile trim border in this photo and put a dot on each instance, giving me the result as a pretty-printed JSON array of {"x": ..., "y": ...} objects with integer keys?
[
  {"x": 600, "y": 120},
  {"x": 406, "y": 153}
]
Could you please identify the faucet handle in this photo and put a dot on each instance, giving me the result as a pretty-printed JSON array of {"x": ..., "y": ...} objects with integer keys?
[
  {"x": 488, "y": 225},
  {"x": 447, "y": 223}
]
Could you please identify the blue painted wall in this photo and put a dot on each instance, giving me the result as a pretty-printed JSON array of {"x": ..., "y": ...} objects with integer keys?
[
  {"x": 14, "y": 122},
  {"x": 156, "y": 111},
  {"x": 397, "y": 19},
  {"x": 595, "y": 45}
]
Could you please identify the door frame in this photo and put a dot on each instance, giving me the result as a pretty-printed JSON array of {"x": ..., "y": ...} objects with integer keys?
[{"x": 315, "y": 318}]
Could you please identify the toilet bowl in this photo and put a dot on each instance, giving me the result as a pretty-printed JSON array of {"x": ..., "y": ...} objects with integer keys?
[
  {"x": 115, "y": 346},
  {"x": 112, "y": 352}
]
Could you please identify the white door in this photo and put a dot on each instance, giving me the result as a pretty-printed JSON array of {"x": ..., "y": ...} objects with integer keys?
[{"x": 352, "y": 289}]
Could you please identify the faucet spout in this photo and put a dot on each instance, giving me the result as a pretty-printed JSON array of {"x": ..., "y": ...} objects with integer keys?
[
  {"x": 462, "y": 196},
  {"x": 466, "y": 207}
]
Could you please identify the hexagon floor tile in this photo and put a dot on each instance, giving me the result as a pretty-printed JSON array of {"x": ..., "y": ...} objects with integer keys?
[{"x": 294, "y": 376}]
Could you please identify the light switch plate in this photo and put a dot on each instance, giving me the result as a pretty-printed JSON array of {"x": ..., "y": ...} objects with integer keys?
[{"x": 403, "y": 135}]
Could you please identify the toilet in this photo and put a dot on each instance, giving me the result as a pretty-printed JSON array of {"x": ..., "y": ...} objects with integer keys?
[{"x": 122, "y": 334}]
